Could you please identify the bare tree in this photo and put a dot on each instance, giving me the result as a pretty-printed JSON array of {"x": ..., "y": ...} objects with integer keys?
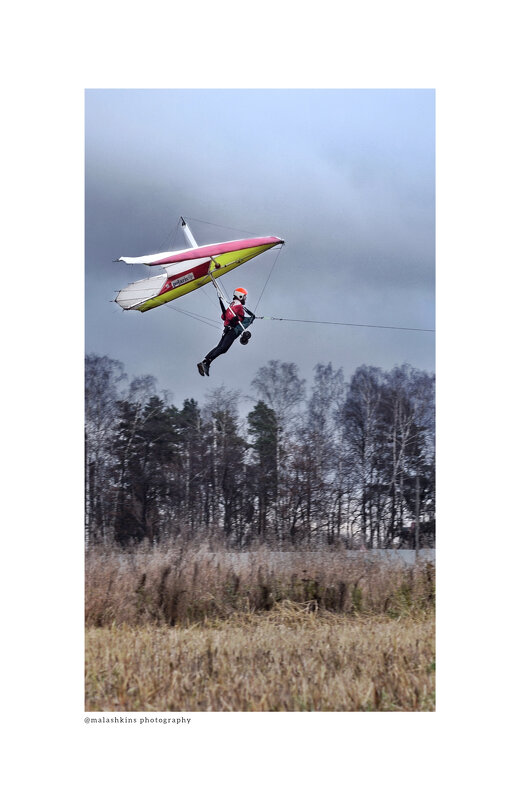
[
  {"x": 278, "y": 384},
  {"x": 104, "y": 383}
]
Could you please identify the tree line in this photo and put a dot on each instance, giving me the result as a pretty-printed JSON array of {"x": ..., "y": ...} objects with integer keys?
[{"x": 345, "y": 462}]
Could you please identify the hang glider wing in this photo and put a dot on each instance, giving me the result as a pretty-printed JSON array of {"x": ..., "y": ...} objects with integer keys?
[{"x": 186, "y": 270}]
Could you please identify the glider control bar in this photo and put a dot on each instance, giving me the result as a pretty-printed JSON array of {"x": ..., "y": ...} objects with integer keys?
[{"x": 220, "y": 293}]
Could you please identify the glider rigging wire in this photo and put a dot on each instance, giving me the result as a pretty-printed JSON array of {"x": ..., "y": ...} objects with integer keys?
[
  {"x": 226, "y": 227},
  {"x": 268, "y": 278},
  {"x": 195, "y": 316},
  {"x": 356, "y": 325},
  {"x": 170, "y": 237}
]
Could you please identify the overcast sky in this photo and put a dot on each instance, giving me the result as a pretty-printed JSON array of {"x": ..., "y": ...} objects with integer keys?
[{"x": 345, "y": 177}]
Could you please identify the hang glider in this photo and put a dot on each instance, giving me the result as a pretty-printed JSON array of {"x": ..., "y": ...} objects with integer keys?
[{"x": 189, "y": 269}]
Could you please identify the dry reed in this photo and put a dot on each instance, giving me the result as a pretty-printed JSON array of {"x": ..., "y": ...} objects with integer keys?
[
  {"x": 182, "y": 586},
  {"x": 292, "y": 658}
]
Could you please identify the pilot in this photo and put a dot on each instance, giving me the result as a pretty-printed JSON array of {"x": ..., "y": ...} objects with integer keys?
[{"x": 234, "y": 325}]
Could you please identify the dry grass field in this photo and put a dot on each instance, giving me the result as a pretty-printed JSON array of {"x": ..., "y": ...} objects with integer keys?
[{"x": 182, "y": 631}]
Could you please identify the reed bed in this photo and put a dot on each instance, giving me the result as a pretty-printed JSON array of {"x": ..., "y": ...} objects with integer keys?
[
  {"x": 292, "y": 658},
  {"x": 183, "y": 586},
  {"x": 173, "y": 629}
]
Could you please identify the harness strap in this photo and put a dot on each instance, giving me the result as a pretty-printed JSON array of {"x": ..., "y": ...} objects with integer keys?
[{"x": 220, "y": 293}]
